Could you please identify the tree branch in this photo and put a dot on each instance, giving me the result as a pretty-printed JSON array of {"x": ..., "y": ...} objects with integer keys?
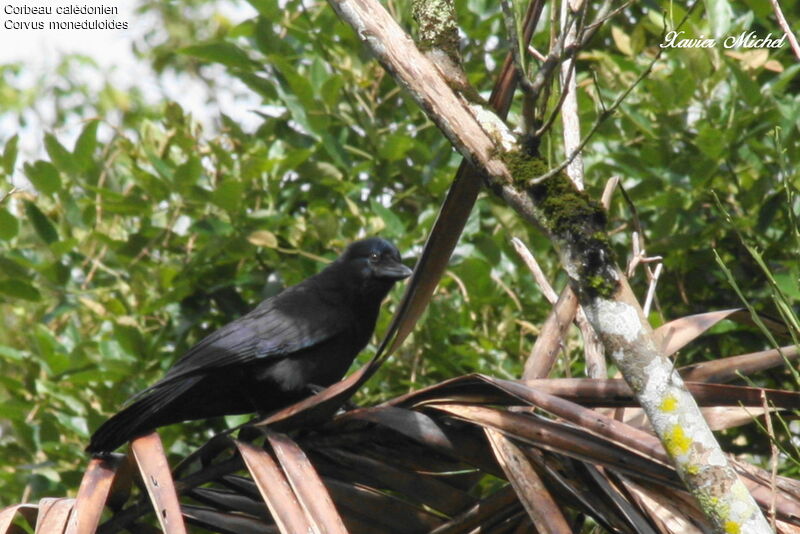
[{"x": 575, "y": 226}]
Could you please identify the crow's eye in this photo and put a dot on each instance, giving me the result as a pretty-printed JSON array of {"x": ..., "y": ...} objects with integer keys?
[{"x": 374, "y": 257}]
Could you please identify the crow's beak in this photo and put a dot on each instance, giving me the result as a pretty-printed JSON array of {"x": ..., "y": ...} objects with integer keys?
[{"x": 392, "y": 269}]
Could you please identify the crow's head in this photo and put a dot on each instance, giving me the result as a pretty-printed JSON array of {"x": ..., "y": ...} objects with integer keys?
[{"x": 375, "y": 258}]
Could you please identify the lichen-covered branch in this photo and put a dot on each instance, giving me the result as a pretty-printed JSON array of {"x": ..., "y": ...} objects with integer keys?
[
  {"x": 576, "y": 225},
  {"x": 438, "y": 36}
]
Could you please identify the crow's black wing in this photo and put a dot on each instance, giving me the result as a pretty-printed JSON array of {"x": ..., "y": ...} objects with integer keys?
[{"x": 296, "y": 319}]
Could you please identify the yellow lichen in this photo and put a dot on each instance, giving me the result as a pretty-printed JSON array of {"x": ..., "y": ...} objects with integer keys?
[
  {"x": 669, "y": 404},
  {"x": 732, "y": 527},
  {"x": 678, "y": 442}
]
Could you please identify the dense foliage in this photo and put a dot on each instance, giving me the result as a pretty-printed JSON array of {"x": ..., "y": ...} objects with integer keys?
[{"x": 138, "y": 231}]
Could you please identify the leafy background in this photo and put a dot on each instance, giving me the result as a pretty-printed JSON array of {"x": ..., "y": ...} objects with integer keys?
[{"x": 143, "y": 229}]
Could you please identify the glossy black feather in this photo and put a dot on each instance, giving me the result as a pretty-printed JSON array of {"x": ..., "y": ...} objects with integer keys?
[{"x": 306, "y": 336}]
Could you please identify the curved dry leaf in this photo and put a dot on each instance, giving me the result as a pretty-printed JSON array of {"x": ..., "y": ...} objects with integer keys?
[
  {"x": 591, "y": 420},
  {"x": 676, "y": 334},
  {"x": 312, "y": 494},
  {"x": 7, "y": 515},
  {"x": 626, "y": 511},
  {"x": 669, "y": 513},
  {"x": 730, "y": 368},
  {"x": 53, "y": 515},
  {"x": 572, "y": 481},
  {"x": 787, "y": 528},
  {"x": 531, "y": 491},
  {"x": 92, "y": 494},
  {"x": 149, "y": 455},
  {"x": 564, "y": 439},
  {"x": 275, "y": 489},
  {"x": 608, "y": 392}
]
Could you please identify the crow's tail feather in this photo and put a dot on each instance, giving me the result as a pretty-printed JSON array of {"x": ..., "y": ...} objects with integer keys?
[{"x": 144, "y": 415}]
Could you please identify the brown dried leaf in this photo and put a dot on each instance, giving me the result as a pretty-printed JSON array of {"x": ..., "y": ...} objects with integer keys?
[
  {"x": 564, "y": 439},
  {"x": 53, "y": 515},
  {"x": 275, "y": 489},
  {"x": 727, "y": 369},
  {"x": 29, "y": 511},
  {"x": 92, "y": 494},
  {"x": 615, "y": 392},
  {"x": 670, "y": 514},
  {"x": 312, "y": 494},
  {"x": 531, "y": 491},
  {"x": 149, "y": 455},
  {"x": 677, "y": 334}
]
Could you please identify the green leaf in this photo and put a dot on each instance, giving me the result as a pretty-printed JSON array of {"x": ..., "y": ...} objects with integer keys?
[
  {"x": 9, "y": 226},
  {"x": 395, "y": 146},
  {"x": 263, "y": 238},
  {"x": 59, "y": 155},
  {"x": 720, "y": 15},
  {"x": 10, "y": 353},
  {"x": 187, "y": 173},
  {"x": 44, "y": 177},
  {"x": 19, "y": 289},
  {"x": 228, "y": 195},
  {"x": 269, "y": 8},
  {"x": 85, "y": 145},
  {"x": 748, "y": 89},
  {"x": 41, "y": 223},
  {"x": 228, "y": 54},
  {"x": 10, "y": 154},
  {"x": 393, "y": 223}
]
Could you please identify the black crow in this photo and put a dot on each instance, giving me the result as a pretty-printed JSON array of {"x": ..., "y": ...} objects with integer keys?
[{"x": 290, "y": 345}]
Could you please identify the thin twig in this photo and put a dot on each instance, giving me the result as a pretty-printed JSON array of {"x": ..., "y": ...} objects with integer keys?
[
  {"x": 773, "y": 461},
  {"x": 545, "y": 72},
  {"x": 651, "y": 290},
  {"x": 536, "y": 54},
  {"x": 600, "y": 120},
  {"x": 538, "y": 275},
  {"x": 511, "y": 28},
  {"x": 568, "y": 103},
  {"x": 9, "y": 193},
  {"x": 776, "y": 7},
  {"x": 557, "y": 109},
  {"x": 611, "y": 185}
]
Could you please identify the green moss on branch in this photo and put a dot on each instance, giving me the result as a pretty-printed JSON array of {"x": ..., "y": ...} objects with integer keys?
[{"x": 574, "y": 220}]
